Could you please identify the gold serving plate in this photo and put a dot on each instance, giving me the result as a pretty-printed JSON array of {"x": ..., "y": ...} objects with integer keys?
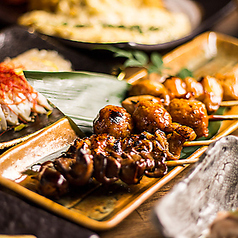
[{"x": 101, "y": 207}]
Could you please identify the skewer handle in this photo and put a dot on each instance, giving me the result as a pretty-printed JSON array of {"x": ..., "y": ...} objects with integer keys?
[
  {"x": 222, "y": 117},
  {"x": 229, "y": 103},
  {"x": 182, "y": 162}
]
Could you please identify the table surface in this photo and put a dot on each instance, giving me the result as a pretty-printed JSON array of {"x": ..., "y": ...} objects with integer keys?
[{"x": 139, "y": 224}]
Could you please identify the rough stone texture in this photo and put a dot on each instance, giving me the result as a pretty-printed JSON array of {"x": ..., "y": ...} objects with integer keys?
[
  {"x": 18, "y": 217},
  {"x": 212, "y": 186}
]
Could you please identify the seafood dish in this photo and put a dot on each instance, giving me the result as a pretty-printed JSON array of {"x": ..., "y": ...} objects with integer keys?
[{"x": 19, "y": 100}]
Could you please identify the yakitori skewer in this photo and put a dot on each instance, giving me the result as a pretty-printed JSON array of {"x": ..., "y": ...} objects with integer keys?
[
  {"x": 228, "y": 131},
  {"x": 134, "y": 77}
]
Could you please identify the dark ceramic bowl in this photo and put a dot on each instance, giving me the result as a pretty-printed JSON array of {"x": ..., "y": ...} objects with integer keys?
[{"x": 203, "y": 14}]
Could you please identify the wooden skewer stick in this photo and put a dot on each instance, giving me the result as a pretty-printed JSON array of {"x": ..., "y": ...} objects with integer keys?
[
  {"x": 198, "y": 143},
  {"x": 229, "y": 103},
  {"x": 136, "y": 76},
  {"x": 182, "y": 162},
  {"x": 222, "y": 117},
  {"x": 232, "y": 128}
]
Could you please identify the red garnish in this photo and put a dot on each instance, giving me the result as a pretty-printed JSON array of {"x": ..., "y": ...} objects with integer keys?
[{"x": 14, "y": 84}]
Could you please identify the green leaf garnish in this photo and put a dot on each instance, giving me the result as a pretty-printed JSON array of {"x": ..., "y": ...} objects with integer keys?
[
  {"x": 125, "y": 54},
  {"x": 141, "y": 57},
  {"x": 19, "y": 127},
  {"x": 137, "y": 58},
  {"x": 156, "y": 59},
  {"x": 184, "y": 72},
  {"x": 132, "y": 63},
  {"x": 153, "y": 64},
  {"x": 49, "y": 113}
]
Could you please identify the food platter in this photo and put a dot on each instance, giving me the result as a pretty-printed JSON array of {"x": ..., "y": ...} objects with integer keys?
[
  {"x": 202, "y": 14},
  {"x": 101, "y": 207}
]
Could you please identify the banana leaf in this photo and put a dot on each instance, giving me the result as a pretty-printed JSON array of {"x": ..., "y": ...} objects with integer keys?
[{"x": 79, "y": 95}]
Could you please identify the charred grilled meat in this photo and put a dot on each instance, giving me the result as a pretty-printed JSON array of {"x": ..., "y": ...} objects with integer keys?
[
  {"x": 127, "y": 159},
  {"x": 113, "y": 120},
  {"x": 178, "y": 136},
  {"x": 51, "y": 182},
  {"x": 116, "y": 152},
  {"x": 130, "y": 103},
  {"x": 151, "y": 116},
  {"x": 193, "y": 87},
  {"x": 229, "y": 83},
  {"x": 191, "y": 113},
  {"x": 209, "y": 90}
]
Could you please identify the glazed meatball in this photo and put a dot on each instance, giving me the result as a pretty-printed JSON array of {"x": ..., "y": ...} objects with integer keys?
[
  {"x": 191, "y": 113},
  {"x": 151, "y": 116},
  {"x": 113, "y": 120}
]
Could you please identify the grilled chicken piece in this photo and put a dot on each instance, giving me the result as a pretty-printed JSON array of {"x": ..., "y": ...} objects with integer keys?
[
  {"x": 149, "y": 87},
  {"x": 151, "y": 116},
  {"x": 229, "y": 84},
  {"x": 113, "y": 120},
  {"x": 213, "y": 93},
  {"x": 178, "y": 136},
  {"x": 51, "y": 182},
  {"x": 127, "y": 159},
  {"x": 130, "y": 103},
  {"x": 191, "y": 113},
  {"x": 124, "y": 156},
  {"x": 106, "y": 151},
  {"x": 176, "y": 87},
  {"x": 193, "y": 87},
  {"x": 144, "y": 154},
  {"x": 76, "y": 167}
]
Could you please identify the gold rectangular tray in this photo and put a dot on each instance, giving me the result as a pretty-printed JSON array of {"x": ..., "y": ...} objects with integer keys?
[{"x": 101, "y": 207}]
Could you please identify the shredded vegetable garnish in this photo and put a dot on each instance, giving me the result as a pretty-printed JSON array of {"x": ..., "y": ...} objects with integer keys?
[
  {"x": 19, "y": 127},
  {"x": 18, "y": 99},
  {"x": 14, "y": 83}
]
